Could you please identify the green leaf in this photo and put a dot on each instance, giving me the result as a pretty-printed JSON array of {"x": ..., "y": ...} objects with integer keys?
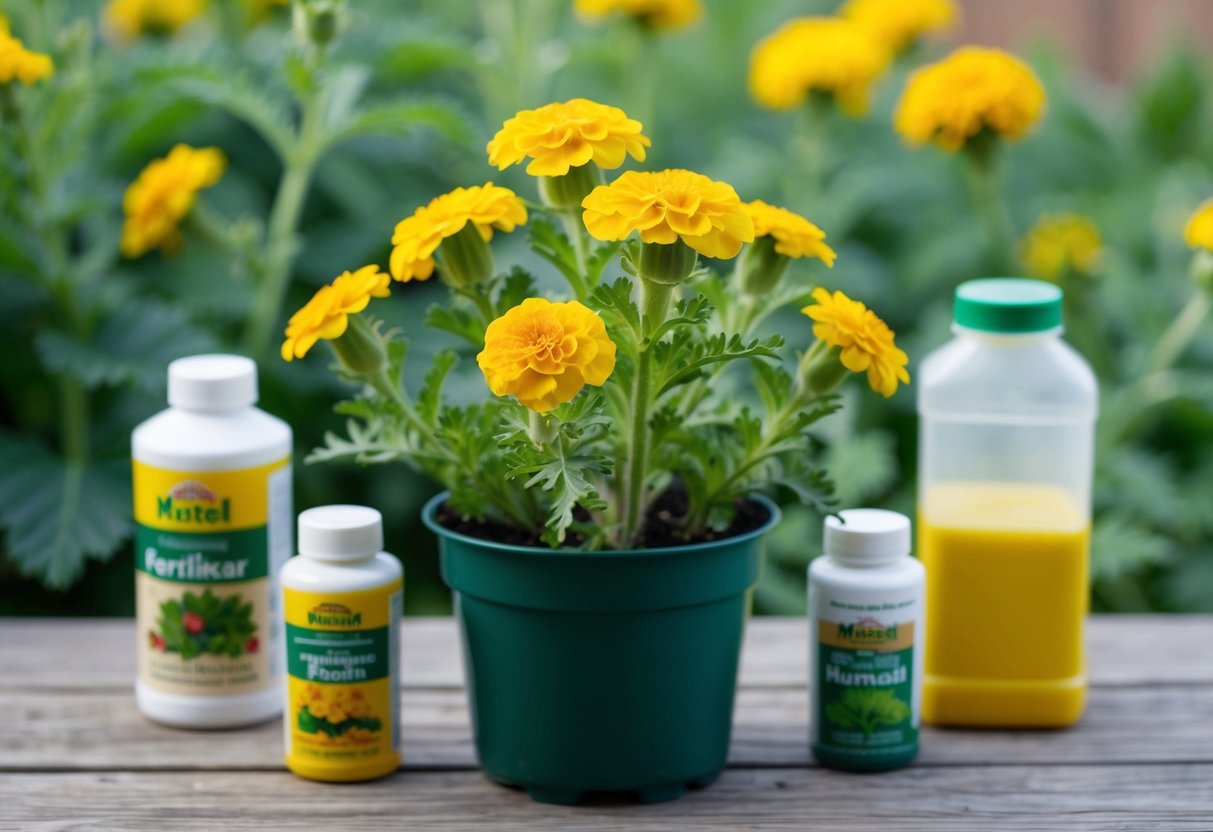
[
  {"x": 239, "y": 95},
  {"x": 403, "y": 117},
  {"x": 686, "y": 361},
  {"x": 429, "y": 398},
  {"x": 550, "y": 243},
  {"x": 133, "y": 345},
  {"x": 864, "y": 466},
  {"x": 1121, "y": 546},
  {"x": 515, "y": 287},
  {"x": 58, "y": 515},
  {"x": 456, "y": 321}
]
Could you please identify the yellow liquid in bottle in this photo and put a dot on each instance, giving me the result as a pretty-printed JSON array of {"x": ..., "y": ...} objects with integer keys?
[{"x": 1006, "y": 599}]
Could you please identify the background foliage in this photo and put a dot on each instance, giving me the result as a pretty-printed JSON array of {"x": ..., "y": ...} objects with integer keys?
[{"x": 408, "y": 96}]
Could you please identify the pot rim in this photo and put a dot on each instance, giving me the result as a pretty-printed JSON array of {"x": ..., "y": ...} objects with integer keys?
[{"x": 430, "y": 510}]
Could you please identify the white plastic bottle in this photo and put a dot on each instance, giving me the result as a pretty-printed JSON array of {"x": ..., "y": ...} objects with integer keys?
[
  {"x": 1007, "y": 418},
  {"x": 212, "y": 500},
  {"x": 865, "y": 643},
  {"x": 343, "y": 598}
]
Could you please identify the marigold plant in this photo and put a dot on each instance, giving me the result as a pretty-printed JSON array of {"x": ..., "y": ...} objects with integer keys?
[
  {"x": 19, "y": 63},
  {"x": 601, "y": 404},
  {"x": 827, "y": 56},
  {"x": 163, "y": 194},
  {"x": 899, "y": 23},
  {"x": 659, "y": 14},
  {"x": 1060, "y": 245}
]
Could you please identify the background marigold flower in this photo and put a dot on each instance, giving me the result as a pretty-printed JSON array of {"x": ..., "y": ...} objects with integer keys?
[
  {"x": 865, "y": 341},
  {"x": 17, "y": 62},
  {"x": 971, "y": 90},
  {"x": 794, "y": 235},
  {"x": 898, "y": 23},
  {"x": 816, "y": 54},
  {"x": 1057, "y": 245},
  {"x": 566, "y": 135},
  {"x": 162, "y": 195},
  {"x": 417, "y": 237},
  {"x": 128, "y": 19},
  {"x": 543, "y": 353},
  {"x": 326, "y": 315},
  {"x": 1198, "y": 233},
  {"x": 660, "y": 14},
  {"x": 667, "y": 205}
]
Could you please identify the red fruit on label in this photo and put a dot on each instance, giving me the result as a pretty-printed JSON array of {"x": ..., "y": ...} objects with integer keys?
[
  {"x": 193, "y": 623},
  {"x": 251, "y": 645}
]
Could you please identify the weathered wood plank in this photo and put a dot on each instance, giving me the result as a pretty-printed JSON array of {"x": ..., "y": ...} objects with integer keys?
[
  {"x": 81, "y": 732},
  {"x": 1167, "y": 798},
  {"x": 99, "y": 654}
]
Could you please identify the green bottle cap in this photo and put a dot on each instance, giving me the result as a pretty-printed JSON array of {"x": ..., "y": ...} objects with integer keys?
[{"x": 1008, "y": 304}]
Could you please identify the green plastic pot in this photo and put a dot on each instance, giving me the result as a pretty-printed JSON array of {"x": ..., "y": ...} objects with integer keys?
[{"x": 601, "y": 671}]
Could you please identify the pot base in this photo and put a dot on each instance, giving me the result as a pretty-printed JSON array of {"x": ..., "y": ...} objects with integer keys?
[{"x": 651, "y": 794}]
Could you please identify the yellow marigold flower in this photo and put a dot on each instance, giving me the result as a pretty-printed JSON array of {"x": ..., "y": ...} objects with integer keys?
[
  {"x": 898, "y": 23},
  {"x": 667, "y": 205},
  {"x": 128, "y": 19},
  {"x": 417, "y": 237},
  {"x": 865, "y": 340},
  {"x": 970, "y": 91},
  {"x": 327, "y": 314},
  {"x": 319, "y": 709},
  {"x": 816, "y": 54},
  {"x": 794, "y": 235},
  {"x": 17, "y": 62},
  {"x": 567, "y": 135},
  {"x": 1056, "y": 245},
  {"x": 660, "y": 14},
  {"x": 543, "y": 353},
  {"x": 163, "y": 193},
  {"x": 1198, "y": 233}
]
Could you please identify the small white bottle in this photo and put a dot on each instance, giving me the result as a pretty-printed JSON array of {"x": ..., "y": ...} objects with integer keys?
[
  {"x": 343, "y": 598},
  {"x": 212, "y": 505},
  {"x": 865, "y": 643}
]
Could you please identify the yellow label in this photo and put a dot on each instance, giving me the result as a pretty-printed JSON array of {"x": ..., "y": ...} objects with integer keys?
[
  {"x": 206, "y": 547},
  {"x": 210, "y": 501},
  {"x": 343, "y": 655},
  {"x": 866, "y": 634}
]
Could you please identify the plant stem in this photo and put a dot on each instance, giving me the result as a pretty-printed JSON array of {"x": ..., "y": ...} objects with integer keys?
[
  {"x": 1180, "y": 333},
  {"x": 284, "y": 220},
  {"x": 636, "y": 468},
  {"x": 576, "y": 233},
  {"x": 982, "y": 179}
]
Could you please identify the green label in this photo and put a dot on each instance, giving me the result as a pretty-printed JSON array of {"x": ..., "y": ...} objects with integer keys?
[
  {"x": 202, "y": 558},
  {"x": 337, "y": 657},
  {"x": 865, "y": 687}
]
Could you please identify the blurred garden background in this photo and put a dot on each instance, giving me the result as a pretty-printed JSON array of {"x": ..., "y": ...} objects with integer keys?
[{"x": 336, "y": 120}]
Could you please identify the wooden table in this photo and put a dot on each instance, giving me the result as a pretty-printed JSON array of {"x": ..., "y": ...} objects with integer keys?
[{"x": 75, "y": 754}]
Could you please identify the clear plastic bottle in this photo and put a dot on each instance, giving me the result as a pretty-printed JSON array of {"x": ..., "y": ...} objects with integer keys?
[
  {"x": 343, "y": 598},
  {"x": 865, "y": 643},
  {"x": 1007, "y": 414},
  {"x": 212, "y": 500}
]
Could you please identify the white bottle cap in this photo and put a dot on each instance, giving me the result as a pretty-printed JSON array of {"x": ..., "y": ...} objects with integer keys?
[
  {"x": 212, "y": 383},
  {"x": 340, "y": 532},
  {"x": 869, "y": 536}
]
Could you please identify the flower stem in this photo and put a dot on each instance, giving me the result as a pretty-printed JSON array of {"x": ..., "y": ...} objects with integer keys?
[
  {"x": 636, "y": 468},
  {"x": 1180, "y": 333},
  {"x": 280, "y": 244},
  {"x": 982, "y": 179},
  {"x": 576, "y": 233}
]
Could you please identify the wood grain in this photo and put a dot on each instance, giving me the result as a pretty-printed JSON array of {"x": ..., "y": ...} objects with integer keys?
[
  {"x": 1165, "y": 798},
  {"x": 99, "y": 654},
  {"x": 79, "y": 732}
]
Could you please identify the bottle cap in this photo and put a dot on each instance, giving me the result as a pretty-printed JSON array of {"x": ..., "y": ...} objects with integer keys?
[
  {"x": 867, "y": 535},
  {"x": 212, "y": 383},
  {"x": 340, "y": 532},
  {"x": 1010, "y": 305}
]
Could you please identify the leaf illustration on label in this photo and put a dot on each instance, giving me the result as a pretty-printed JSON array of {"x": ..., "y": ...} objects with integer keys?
[{"x": 867, "y": 709}]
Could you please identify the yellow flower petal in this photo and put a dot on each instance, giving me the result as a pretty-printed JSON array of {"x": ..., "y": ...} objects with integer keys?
[
  {"x": 326, "y": 315},
  {"x": 864, "y": 340},
  {"x": 543, "y": 353},
  {"x": 660, "y": 14},
  {"x": 566, "y": 135},
  {"x": 816, "y": 54},
  {"x": 794, "y": 235},
  {"x": 416, "y": 238},
  {"x": 1061, "y": 244},
  {"x": 163, "y": 194},
  {"x": 1198, "y": 233},
  {"x": 667, "y": 205},
  {"x": 970, "y": 91},
  {"x": 898, "y": 23}
]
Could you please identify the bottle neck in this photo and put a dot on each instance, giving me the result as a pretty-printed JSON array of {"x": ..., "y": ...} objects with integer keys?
[
  {"x": 865, "y": 561},
  {"x": 1007, "y": 339},
  {"x": 339, "y": 560}
]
